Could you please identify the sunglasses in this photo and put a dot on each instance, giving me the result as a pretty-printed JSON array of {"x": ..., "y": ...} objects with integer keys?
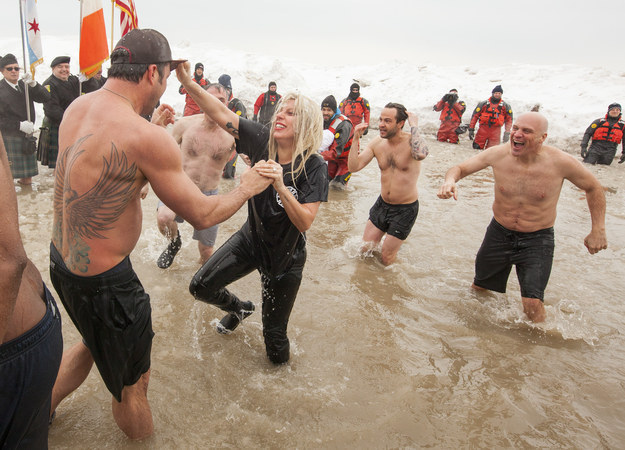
[{"x": 12, "y": 69}]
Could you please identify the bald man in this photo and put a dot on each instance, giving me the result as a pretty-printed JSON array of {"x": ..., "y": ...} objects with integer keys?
[{"x": 528, "y": 180}]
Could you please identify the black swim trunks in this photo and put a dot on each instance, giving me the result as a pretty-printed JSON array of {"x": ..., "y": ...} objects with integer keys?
[
  {"x": 112, "y": 312},
  {"x": 396, "y": 220},
  {"x": 28, "y": 368},
  {"x": 532, "y": 253}
]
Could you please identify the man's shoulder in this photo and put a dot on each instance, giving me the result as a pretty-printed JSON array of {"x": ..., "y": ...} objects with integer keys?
[
  {"x": 377, "y": 144},
  {"x": 497, "y": 154},
  {"x": 188, "y": 120}
]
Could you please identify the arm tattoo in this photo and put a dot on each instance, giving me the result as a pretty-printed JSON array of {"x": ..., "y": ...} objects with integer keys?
[
  {"x": 231, "y": 129},
  {"x": 418, "y": 148}
]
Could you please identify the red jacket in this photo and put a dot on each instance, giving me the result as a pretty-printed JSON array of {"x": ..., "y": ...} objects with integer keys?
[
  {"x": 453, "y": 113},
  {"x": 190, "y": 107}
]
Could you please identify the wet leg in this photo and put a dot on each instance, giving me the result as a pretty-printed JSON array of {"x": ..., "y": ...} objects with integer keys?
[
  {"x": 133, "y": 415},
  {"x": 205, "y": 252},
  {"x": 371, "y": 237},
  {"x": 534, "y": 309},
  {"x": 75, "y": 366},
  {"x": 390, "y": 248}
]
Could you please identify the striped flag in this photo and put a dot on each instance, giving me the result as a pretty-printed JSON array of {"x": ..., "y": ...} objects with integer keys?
[
  {"x": 94, "y": 49},
  {"x": 33, "y": 34},
  {"x": 127, "y": 16}
]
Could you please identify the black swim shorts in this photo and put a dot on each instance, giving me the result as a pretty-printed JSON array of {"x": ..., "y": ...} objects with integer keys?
[
  {"x": 112, "y": 312},
  {"x": 532, "y": 253},
  {"x": 396, "y": 220},
  {"x": 28, "y": 368}
]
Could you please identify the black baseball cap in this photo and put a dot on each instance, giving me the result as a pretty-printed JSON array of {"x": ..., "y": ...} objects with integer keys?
[{"x": 143, "y": 46}]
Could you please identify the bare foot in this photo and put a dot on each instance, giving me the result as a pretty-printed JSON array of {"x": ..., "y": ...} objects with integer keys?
[{"x": 534, "y": 309}]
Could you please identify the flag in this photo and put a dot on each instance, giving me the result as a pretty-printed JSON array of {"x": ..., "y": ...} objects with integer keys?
[
  {"x": 127, "y": 16},
  {"x": 93, "y": 47},
  {"x": 33, "y": 34}
]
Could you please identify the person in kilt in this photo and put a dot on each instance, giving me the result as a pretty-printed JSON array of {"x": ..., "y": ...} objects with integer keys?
[{"x": 15, "y": 125}]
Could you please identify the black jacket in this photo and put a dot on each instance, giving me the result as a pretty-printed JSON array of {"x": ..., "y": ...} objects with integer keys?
[
  {"x": 62, "y": 93},
  {"x": 13, "y": 105}
]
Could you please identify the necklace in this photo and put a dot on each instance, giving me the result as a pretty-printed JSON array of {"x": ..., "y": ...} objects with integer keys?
[{"x": 119, "y": 95}]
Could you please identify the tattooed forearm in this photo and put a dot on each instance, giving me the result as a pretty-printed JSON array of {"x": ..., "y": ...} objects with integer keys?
[
  {"x": 418, "y": 148},
  {"x": 230, "y": 128}
]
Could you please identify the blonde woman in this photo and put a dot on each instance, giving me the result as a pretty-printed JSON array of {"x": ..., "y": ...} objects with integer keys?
[{"x": 272, "y": 240}]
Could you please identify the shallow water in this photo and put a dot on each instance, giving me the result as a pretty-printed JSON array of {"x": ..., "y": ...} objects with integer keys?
[{"x": 405, "y": 356}]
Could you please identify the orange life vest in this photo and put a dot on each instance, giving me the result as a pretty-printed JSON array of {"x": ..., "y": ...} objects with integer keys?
[
  {"x": 354, "y": 108},
  {"x": 493, "y": 114},
  {"x": 610, "y": 132}
]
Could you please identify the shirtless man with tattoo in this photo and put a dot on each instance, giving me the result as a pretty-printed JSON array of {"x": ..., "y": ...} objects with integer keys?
[
  {"x": 108, "y": 153},
  {"x": 399, "y": 155},
  {"x": 206, "y": 149}
]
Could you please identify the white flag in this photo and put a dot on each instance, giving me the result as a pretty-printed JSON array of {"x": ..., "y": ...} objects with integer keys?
[{"x": 33, "y": 34}]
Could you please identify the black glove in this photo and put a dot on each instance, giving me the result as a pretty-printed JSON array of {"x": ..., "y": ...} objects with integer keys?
[
  {"x": 445, "y": 98},
  {"x": 506, "y": 136},
  {"x": 622, "y": 160},
  {"x": 255, "y": 118},
  {"x": 471, "y": 133},
  {"x": 584, "y": 151}
]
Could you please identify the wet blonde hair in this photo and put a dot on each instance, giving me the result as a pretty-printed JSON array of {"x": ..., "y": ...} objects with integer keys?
[{"x": 308, "y": 131}]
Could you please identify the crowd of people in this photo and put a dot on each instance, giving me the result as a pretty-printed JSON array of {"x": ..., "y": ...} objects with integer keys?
[{"x": 295, "y": 148}]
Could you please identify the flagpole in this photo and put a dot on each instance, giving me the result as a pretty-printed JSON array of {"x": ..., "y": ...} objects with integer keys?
[
  {"x": 24, "y": 54},
  {"x": 79, "y": 41},
  {"x": 112, "y": 22}
]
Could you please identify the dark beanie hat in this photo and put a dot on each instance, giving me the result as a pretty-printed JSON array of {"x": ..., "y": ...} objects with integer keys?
[
  {"x": 199, "y": 66},
  {"x": 614, "y": 105},
  {"x": 7, "y": 59},
  {"x": 329, "y": 102},
  {"x": 272, "y": 83},
  {"x": 354, "y": 86},
  {"x": 497, "y": 89},
  {"x": 60, "y": 60},
  {"x": 224, "y": 80}
]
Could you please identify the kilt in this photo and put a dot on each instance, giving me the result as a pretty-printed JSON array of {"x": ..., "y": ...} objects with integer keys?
[
  {"x": 53, "y": 142},
  {"x": 22, "y": 166}
]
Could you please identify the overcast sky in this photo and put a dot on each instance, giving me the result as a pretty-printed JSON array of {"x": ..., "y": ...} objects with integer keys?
[{"x": 446, "y": 32}]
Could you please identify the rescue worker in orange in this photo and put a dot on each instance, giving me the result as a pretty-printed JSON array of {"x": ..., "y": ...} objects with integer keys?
[
  {"x": 355, "y": 107},
  {"x": 266, "y": 103},
  {"x": 336, "y": 155},
  {"x": 190, "y": 107},
  {"x": 451, "y": 116},
  {"x": 606, "y": 134},
  {"x": 492, "y": 114}
]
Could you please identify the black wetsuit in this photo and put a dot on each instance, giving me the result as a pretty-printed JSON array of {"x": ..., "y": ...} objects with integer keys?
[{"x": 267, "y": 242}]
